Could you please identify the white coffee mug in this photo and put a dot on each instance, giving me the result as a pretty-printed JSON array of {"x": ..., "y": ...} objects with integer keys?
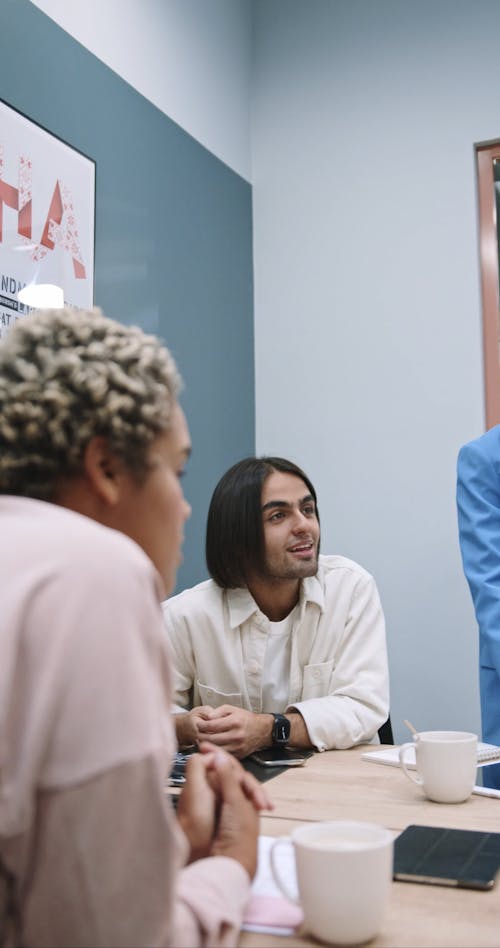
[
  {"x": 344, "y": 874},
  {"x": 446, "y": 764}
]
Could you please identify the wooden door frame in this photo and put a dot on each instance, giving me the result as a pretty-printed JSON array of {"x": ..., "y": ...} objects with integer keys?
[{"x": 486, "y": 153}]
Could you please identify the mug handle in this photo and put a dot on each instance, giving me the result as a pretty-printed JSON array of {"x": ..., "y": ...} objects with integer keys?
[
  {"x": 274, "y": 869},
  {"x": 414, "y": 777}
]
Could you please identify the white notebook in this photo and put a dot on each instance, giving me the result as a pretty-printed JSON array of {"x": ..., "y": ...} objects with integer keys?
[{"x": 486, "y": 754}]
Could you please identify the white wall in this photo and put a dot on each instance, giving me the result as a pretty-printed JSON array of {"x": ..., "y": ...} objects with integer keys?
[
  {"x": 191, "y": 58},
  {"x": 368, "y": 333}
]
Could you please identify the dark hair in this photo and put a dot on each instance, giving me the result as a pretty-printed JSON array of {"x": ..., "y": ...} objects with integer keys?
[{"x": 235, "y": 539}]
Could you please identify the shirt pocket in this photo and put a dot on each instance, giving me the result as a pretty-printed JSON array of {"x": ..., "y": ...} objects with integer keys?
[
  {"x": 214, "y": 698},
  {"x": 316, "y": 680}
]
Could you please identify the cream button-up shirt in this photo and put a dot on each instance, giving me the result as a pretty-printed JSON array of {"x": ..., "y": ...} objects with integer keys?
[{"x": 338, "y": 677}]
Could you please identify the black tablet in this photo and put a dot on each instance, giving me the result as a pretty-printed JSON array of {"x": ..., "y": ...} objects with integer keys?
[{"x": 453, "y": 857}]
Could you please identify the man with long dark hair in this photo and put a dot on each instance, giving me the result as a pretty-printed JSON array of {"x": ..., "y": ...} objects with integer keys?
[{"x": 282, "y": 645}]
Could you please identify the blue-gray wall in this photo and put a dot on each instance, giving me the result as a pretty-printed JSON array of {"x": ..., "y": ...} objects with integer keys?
[{"x": 173, "y": 237}]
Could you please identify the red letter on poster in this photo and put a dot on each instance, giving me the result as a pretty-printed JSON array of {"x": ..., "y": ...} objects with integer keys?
[{"x": 60, "y": 228}]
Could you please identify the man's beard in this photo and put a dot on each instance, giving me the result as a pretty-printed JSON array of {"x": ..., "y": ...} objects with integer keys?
[{"x": 275, "y": 571}]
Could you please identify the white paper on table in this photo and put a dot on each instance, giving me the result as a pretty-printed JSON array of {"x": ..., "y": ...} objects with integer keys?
[
  {"x": 487, "y": 754},
  {"x": 268, "y": 910}
]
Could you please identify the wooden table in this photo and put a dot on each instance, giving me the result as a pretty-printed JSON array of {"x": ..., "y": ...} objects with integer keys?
[{"x": 338, "y": 785}]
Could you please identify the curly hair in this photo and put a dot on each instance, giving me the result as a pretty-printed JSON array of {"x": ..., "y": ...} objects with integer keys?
[{"x": 68, "y": 375}]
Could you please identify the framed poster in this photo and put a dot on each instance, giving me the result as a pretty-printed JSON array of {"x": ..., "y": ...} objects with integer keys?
[{"x": 47, "y": 217}]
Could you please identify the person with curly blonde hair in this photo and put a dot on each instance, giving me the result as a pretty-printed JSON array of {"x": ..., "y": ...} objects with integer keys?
[
  {"x": 67, "y": 376},
  {"x": 93, "y": 444}
]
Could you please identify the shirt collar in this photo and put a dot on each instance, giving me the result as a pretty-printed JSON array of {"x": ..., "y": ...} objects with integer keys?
[
  {"x": 311, "y": 590},
  {"x": 242, "y": 605}
]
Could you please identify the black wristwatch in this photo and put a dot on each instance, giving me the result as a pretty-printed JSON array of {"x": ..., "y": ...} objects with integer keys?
[{"x": 281, "y": 730}]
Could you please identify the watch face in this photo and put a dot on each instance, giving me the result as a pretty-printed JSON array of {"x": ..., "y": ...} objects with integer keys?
[{"x": 281, "y": 729}]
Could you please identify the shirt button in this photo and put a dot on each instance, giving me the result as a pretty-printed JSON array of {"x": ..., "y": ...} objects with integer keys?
[
  {"x": 316, "y": 673},
  {"x": 254, "y": 668}
]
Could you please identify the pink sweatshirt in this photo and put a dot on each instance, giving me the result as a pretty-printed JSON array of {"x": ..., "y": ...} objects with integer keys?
[{"x": 86, "y": 742}]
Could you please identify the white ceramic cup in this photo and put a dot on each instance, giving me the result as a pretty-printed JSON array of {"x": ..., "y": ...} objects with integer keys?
[
  {"x": 446, "y": 764},
  {"x": 344, "y": 875}
]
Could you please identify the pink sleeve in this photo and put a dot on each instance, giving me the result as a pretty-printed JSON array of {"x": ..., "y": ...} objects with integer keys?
[
  {"x": 211, "y": 897},
  {"x": 108, "y": 870}
]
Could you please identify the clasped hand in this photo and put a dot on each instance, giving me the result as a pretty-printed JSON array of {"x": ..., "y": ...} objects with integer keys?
[
  {"x": 219, "y": 807},
  {"x": 237, "y": 730}
]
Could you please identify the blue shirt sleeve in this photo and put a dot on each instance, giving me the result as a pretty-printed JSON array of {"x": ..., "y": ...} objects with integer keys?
[{"x": 478, "y": 505}]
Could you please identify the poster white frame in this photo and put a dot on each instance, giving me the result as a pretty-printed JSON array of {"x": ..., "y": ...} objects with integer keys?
[{"x": 47, "y": 215}]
